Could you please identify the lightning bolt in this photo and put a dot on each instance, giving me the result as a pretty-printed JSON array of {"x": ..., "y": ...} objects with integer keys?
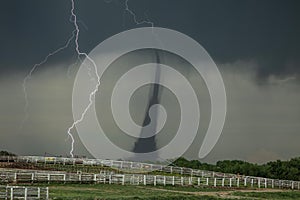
[
  {"x": 79, "y": 53},
  {"x": 137, "y": 22},
  {"x": 75, "y": 34},
  {"x": 92, "y": 94},
  {"x": 29, "y": 75}
]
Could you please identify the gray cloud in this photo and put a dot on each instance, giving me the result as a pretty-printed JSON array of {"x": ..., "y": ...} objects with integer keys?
[
  {"x": 262, "y": 120},
  {"x": 49, "y": 95}
]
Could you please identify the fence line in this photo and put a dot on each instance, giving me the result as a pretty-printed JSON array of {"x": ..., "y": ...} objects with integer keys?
[
  {"x": 117, "y": 164},
  {"x": 195, "y": 177},
  {"x": 26, "y": 193},
  {"x": 10, "y": 176}
]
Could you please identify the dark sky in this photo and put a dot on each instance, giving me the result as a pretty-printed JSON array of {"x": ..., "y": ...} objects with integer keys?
[
  {"x": 267, "y": 31},
  {"x": 255, "y": 44}
]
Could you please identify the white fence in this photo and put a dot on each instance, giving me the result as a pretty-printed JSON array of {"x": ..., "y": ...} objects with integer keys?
[
  {"x": 126, "y": 166},
  {"x": 25, "y": 176},
  {"x": 177, "y": 175},
  {"x": 26, "y": 193}
]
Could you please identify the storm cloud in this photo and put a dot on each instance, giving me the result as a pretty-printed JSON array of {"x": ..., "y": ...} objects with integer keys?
[
  {"x": 254, "y": 43},
  {"x": 262, "y": 120}
]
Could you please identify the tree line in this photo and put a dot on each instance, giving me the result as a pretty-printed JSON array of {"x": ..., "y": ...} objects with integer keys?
[
  {"x": 285, "y": 170},
  {"x": 6, "y": 153}
]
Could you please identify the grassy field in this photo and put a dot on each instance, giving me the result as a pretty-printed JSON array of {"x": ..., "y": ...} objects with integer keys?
[
  {"x": 114, "y": 192},
  {"x": 105, "y": 191},
  {"x": 102, "y": 191},
  {"x": 270, "y": 195}
]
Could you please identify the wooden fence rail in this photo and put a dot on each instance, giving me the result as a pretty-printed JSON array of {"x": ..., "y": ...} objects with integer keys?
[
  {"x": 10, "y": 176},
  {"x": 117, "y": 164},
  {"x": 177, "y": 175},
  {"x": 26, "y": 193}
]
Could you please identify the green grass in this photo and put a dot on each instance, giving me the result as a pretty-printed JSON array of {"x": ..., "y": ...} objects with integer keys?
[
  {"x": 193, "y": 188},
  {"x": 75, "y": 191},
  {"x": 270, "y": 195},
  {"x": 114, "y": 191}
]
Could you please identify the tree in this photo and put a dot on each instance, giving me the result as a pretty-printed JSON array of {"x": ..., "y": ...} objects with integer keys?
[{"x": 6, "y": 153}]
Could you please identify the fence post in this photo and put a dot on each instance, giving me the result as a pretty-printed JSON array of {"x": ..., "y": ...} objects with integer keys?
[
  {"x": 154, "y": 181},
  {"x": 238, "y": 182},
  {"x": 199, "y": 181},
  {"x": 15, "y": 177},
  {"x": 230, "y": 182},
  {"x": 252, "y": 180},
  {"x": 95, "y": 178},
  {"x": 25, "y": 193},
  {"x": 32, "y": 177},
  {"x": 245, "y": 182},
  {"x": 64, "y": 178},
  {"x": 215, "y": 182},
  {"x": 6, "y": 192},
  {"x": 123, "y": 180},
  {"x": 223, "y": 182},
  {"x": 39, "y": 193},
  {"x": 292, "y": 185},
  {"x": 145, "y": 181},
  {"x": 258, "y": 182},
  {"x": 48, "y": 178},
  {"x": 47, "y": 192},
  {"x": 173, "y": 181},
  {"x": 164, "y": 180},
  {"x": 207, "y": 181},
  {"x": 109, "y": 179},
  {"x": 190, "y": 180},
  {"x": 181, "y": 180},
  {"x": 11, "y": 193},
  {"x": 266, "y": 183}
]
